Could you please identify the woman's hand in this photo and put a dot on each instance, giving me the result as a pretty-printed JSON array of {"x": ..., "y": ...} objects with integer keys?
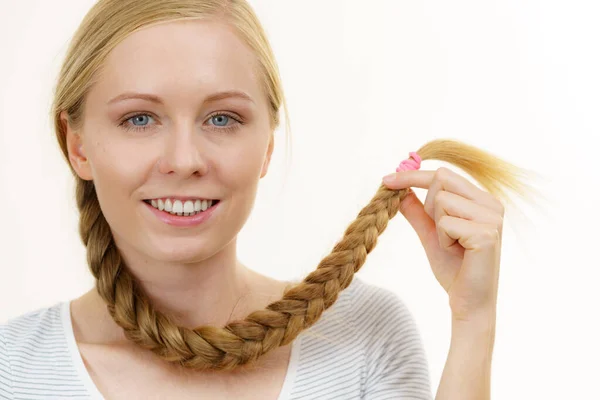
[{"x": 460, "y": 227}]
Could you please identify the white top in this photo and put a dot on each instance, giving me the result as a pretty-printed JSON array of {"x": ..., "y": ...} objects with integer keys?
[{"x": 365, "y": 346}]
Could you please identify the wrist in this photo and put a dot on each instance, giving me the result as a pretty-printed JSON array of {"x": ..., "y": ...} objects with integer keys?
[
  {"x": 480, "y": 321},
  {"x": 474, "y": 333}
]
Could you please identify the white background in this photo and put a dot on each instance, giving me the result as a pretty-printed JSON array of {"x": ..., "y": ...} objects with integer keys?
[{"x": 366, "y": 85}]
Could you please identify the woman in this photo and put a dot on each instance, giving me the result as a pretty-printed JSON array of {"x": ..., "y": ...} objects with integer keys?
[{"x": 165, "y": 111}]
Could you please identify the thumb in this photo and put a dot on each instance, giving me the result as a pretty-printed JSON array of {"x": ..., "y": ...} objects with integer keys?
[{"x": 414, "y": 211}]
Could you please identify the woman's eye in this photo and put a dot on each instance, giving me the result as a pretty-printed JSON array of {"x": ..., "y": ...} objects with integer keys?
[
  {"x": 140, "y": 120},
  {"x": 225, "y": 122},
  {"x": 220, "y": 119},
  {"x": 137, "y": 122}
]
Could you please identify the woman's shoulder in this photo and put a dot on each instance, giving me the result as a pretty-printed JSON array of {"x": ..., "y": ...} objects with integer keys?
[
  {"x": 369, "y": 328},
  {"x": 374, "y": 305},
  {"x": 30, "y": 345},
  {"x": 367, "y": 301},
  {"x": 33, "y": 325},
  {"x": 38, "y": 349},
  {"x": 365, "y": 310},
  {"x": 30, "y": 337}
]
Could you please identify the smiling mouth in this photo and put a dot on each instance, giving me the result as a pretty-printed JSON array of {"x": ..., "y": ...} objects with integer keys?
[{"x": 187, "y": 209}]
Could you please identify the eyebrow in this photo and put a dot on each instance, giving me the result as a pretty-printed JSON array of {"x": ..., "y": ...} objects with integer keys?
[{"x": 155, "y": 99}]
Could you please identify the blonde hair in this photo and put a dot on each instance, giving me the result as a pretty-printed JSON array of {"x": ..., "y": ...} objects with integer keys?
[{"x": 240, "y": 342}]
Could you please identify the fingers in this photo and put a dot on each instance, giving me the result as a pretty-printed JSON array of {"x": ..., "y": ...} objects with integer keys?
[
  {"x": 450, "y": 204},
  {"x": 449, "y": 196},
  {"x": 443, "y": 179},
  {"x": 469, "y": 234}
]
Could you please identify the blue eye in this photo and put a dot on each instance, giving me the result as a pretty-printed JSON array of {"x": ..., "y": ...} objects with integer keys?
[
  {"x": 136, "y": 122},
  {"x": 220, "y": 120},
  {"x": 224, "y": 122},
  {"x": 140, "y": 118}
]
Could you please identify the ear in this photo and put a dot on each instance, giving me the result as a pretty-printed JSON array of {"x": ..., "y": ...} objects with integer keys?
[
  {"x": 77, "y": 156},
  {"x": 267, "y": 161}
]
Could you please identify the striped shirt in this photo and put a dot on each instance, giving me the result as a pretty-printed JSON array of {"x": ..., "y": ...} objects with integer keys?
[{"x": 365, "y": 346}]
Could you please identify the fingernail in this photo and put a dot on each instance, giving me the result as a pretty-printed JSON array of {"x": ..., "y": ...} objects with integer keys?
[{"x": 389, "y": 178}]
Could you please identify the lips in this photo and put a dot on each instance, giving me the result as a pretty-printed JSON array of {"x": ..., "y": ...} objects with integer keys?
[{"x": 149, "y": 201}]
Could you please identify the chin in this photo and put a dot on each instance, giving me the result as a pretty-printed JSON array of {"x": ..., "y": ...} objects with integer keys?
[{"x": 180, "y": 254}]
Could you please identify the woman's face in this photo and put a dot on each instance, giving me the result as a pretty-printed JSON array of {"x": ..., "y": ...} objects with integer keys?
[{"x": 177, "y": 111}]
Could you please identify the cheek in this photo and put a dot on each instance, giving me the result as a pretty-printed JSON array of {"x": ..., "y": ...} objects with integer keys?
[
  {"x": 249, "y": 155},
  {"x": 243, "y": 169},
  {"x": 115, "y": 184},
  {"x": 115, "y": 174}
]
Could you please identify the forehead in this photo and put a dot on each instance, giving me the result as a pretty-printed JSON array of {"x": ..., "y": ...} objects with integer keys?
[{"x": 178, "y": 58}]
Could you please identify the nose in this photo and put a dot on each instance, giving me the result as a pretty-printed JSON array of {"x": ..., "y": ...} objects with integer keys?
[{"x": 183, "y": 153}]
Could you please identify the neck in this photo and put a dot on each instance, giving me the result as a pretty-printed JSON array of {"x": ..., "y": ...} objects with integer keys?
[{"x": 211, "y": 292}]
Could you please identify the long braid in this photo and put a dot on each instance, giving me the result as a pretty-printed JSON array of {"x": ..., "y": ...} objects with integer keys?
[{"x": 244, "y": 341}]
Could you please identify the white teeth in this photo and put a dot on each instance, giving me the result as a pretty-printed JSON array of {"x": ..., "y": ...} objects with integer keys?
[
  {"x": 177, "y": 207},
  {"x": 188, "y": 207}
]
